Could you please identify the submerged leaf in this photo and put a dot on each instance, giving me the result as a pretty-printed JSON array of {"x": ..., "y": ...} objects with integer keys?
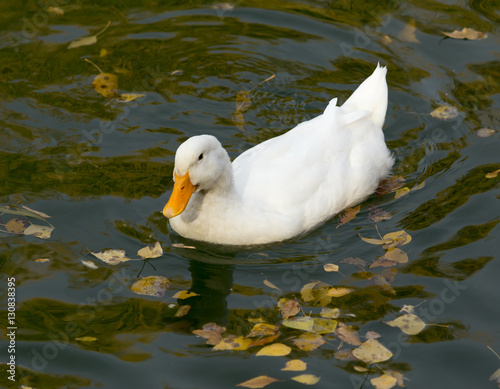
[
  {"x": 401, "y": 192},
  {"x": 258, "y": 382},
  {"x": 445, "y": 113},
  {"x": 339, "y": 292},
  {"x": 274, "y": 350},
  {"x": 330, "y": 313},
  {"x": 184, "y": 294},
  {"x": 466, "y": 33},
  {"x": 378, "y": 214},
  {"x": 127, "y": 97},
  {"x": 372, "y": 351},
  {"x": 390, "y": 184},
  {"x": 151, "y": 286},
  {"x": 354, "y": 261},
  {"x": 212, "y": 332},
  {"x": 408, "y": 32},
  {"x": 408, "y": 323}
]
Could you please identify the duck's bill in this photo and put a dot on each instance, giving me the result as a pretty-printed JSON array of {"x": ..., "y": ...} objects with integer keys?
[{"x": 183, "y": 189}]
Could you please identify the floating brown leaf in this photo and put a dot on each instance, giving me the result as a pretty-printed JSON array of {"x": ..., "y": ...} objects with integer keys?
[
  {"x": 390, "y": 184},
  {"x": 383, "y": 263},
  {"x": 372, "y": 335},
  {"x": 354, "y": 261},
  {"x": 288, "y": 307},
  {"x": 466, "y": 33},
  {"x": 349, "y": 214},
  {"x": 264, "y": 341},
  {"x": 17, "y": 225},
  {"x": 378, "y": 214},
  {"x": 347, "y": 334},
  {"x": 151, "y": 286},
  {"x": 382, "y": 283},
  {"x": 212, "y": 332},
  {"x": 258, "y": 382},
  {"x": 182, "y": 246}
]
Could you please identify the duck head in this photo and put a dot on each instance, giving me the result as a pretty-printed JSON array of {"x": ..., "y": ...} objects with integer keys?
[{"x": 201, "y": 163}]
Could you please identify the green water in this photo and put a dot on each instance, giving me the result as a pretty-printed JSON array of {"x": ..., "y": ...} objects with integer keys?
[{"x": 102, "y": 169}]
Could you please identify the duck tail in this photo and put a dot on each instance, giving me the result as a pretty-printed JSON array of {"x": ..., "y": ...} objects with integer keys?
[{"x": 370, "y": 96}]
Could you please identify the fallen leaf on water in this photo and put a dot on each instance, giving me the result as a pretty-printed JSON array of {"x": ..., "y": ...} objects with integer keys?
[
  {"x": 399, "y": 377},
  {"x": 233, "y": 343},
  {"x": 361, "y": 369},
  {"x": 42, "y": 232},
  {"x": 492, "y": 174},
  {"x": 288, "y": 307},
  {"x": 494, "y": 377},
  {"x": 274, "y": 350},
  {"x": 86, "y": 339},
  {"x": 308, "y": 341},
  {"x": 390, "y": 185},
  {"x": 349, "y": 214},
  {"x": 382, "y": 284},
  {"x": 396, "y": 255},
  {"x": 372, "y": 335},
  {"x": 347, "y": 334},
  {"x": 42, "y": 260},
  {"x": 44, "y": 215},
  {"x": 88, "y": 40},
  {"x": 378, "y": 214},
  {"x": 258, "y": 382},
  {"x": 151, "y": 286},
  {"x": 182, "y": 311},
  {"x": 270, "y": 284},
  {"x": 106, "y": 84},
  {"x": 330, "y": 267},
  {"x": 264, "y": 341},
  {"x": 330, "y": 313},
  {"x": 375, "y": 241},
  {"x": 445, "y": 113},
  {"x": 401, "y": 192},
  {"x": 316, "y": 291},
  {"x": 103, "y": 53},
  {"x": 111, "y": 256},
  {"x": 408, "y": 33},
  {"x": 485, "y": 132},
  {"x": 184, "y": 294},
  {"x": 383, "y": 263},
  {"x": 305, "y": 323},
  {"x": 153, "y": 251},
  {"x": 395, "y": 239},
  {"x": 466, "y": 33},
  {"x": 339, "y": 292},
  {"x": 56, "y": 11},
  {"x": 324, "y": 326},
  {"x": 295, "y": 365},
  {"x": 354, "y": 261},
  {"x": 306, "y": 379},
  {"x": 263, "y": 329},
  {"x": 386, "y": 39},
  {"x": 90, "y": 264},
  {"x": 126, "y": 97},
  {"x": 372, "y": 351},
  {"x": 182, "y": 246},
  {"x": 389, "y": 274},
  {"x": 419, "y": 186},
  {"x": 384, "y": 382},
  {"x": 409, "y": 323},
  {"x": 17, "y": 225},
  {"x": 212, "y": 332},
  {"x": 345, "y": 355}
]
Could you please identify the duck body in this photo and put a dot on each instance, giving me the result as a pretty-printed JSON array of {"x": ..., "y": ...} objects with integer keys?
[{"x": 286, "y": 185}]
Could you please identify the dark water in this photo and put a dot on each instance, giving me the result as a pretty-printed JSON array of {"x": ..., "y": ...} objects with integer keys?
[{"x": 103, "y": 171}]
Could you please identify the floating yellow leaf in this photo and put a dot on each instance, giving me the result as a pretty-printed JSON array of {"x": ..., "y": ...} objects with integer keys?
[
  {"x": 87, "y": 41},
  {"x": 274, "y": 350},
  {"x": 306, "y": 379},
  {"x": 372, "y": 351},
  {"x": 126, "y": 97},
  {"x": 492, "y": 174},
  {"x": 466, "y": 33},
  {"x": 288, "y": 307},
  {"x": 233, "y": 343},
  {"x": 106, "y": 84},
  {"x": 339, "y": 292},
  {"x": 330, "y": 267},
  {"x": 270, "y": 284},
  {"x": 42, "y": 260},
  {"x": 347, "y": 334},
  {"x": 308, "y": 341},
  {"x": 445, "y": 113},
  {"x": 399, "y": 377},
  {"x": 374, "y": 241},
  {"x": 103, "y": 53},
  {"x": 349, "y": 214},
  {"x": 384, "y": 382},
  {"x": 395, "y": 239},
  {"x": 151, "y": 286},
  {"x": 396, "y": 255},
  {"x": 401, "y": 192},
  {"x": 263, "y": 329},
  {"x": 316, "y": 291},
  {"x": 212, "y": 332},
  {"x": 184, "y": 294},
  {"x": 258, "y": 382},
  {"x": 182, "y": 311},
  {"x": 90, "y": 264},
  {"x": 86, "y": 339},
  {"x": 330, "y": 313},
  {"x": 305, "y": 323},
  {"x": 111, "y": 256},
  {"x": 409, "y": 323},
  {"x": 153, "y": 251},
  {"x": 361, "y": 369},
  {"x": 295, "y": 365}
]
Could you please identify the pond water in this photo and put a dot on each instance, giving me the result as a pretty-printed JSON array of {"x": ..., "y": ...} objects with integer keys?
[{"x": 103, "y": 170}]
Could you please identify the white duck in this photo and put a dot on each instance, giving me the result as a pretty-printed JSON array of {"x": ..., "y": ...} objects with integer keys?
[{"x": 286, "y": 185}]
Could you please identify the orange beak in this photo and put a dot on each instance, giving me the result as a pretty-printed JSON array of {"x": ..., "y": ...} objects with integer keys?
[{"x": 183, "y": 189}]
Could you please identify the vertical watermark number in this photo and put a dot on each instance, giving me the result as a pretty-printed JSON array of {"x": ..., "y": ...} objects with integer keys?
[{"x": 11, "y": 329}]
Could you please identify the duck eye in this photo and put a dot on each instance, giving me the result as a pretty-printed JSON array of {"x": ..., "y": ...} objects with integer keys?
[{"x": 200, "y": 157}]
